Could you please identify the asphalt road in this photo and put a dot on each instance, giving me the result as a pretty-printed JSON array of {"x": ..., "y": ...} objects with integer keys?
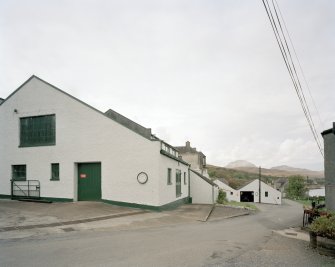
[{"x": 241, "y": 241}]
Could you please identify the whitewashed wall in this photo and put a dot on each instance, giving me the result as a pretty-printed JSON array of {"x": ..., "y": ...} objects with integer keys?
[
  {"x": 201, "y": 191},
  {"x": 274, "y": 196},
  {"x": 232, "y": 194},
  {"x": 168, "y": 191},
  {"x": 82, "y": 135}
]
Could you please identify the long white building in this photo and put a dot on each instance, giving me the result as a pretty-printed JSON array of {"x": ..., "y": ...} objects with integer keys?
[
  {"x": 75, "y": 152},
  {"x": 252, "y": 192}
]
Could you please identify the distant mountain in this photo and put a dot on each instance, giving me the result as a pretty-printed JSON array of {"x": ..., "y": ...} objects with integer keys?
[
  {"x": 240, "y": 164},
  {"x": 289, "y": 168},
  {"x": 279, "y": 171}
]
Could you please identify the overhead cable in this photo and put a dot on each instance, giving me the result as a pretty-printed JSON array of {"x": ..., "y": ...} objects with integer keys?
[{"x": 286, "y": 54}]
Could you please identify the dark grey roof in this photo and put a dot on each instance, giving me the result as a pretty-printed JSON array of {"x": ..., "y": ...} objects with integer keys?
[
  {"x": 145, "y": 132},
  {"x": 205, "y": 178},
  {"x": 173, "y": 157},
  {"x": 1, "y": 100},
  {"x": 331, "y": 130},
  {"x": 184, "y": 149},
  {"x": 188, "y": 149}
]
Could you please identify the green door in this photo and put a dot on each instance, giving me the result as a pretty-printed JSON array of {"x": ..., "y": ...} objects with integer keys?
[
  {"x": 178, "y": 183},
  {"x": 89, "y": 181}
]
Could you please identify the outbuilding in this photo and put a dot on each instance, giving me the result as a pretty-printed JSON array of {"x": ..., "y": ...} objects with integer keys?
[
  {"x": 70, "y": 151},
  {"x": 258, "y": 191},
  {"x": 202, "y": 189},
  {"x": 231, "y": 193}
]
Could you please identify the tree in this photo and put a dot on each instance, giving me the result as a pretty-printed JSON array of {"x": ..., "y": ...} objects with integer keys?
[{"x": 296, "y": 187}]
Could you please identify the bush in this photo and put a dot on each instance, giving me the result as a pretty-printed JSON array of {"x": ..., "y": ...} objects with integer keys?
[
  {"x": 324, "y": 226},
  {"x": 222, "y": 197},
  {"x": 296, "y": 187}
]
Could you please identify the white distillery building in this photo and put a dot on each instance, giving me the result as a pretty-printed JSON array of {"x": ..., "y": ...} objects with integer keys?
[
  {"x": 202, "y": 189},
  {"x": 75, "y": 152},
  {"x": 250, "y": 192},
  {"x": 267, "y": 194},
  {"x": 231, "y": 193}
]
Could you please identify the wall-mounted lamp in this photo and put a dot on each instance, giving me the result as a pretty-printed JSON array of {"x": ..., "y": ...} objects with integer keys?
[{"x": 15, "y": 111}]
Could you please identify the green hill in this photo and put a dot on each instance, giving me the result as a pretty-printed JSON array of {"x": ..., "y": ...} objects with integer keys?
[{"x": 236, "y": 178}]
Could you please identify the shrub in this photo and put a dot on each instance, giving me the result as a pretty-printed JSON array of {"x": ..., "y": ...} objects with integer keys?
[
  {"x": 222, "y": 197},
  {"x": 296, "y": 187},
  {"x": 324, "y": 226}
]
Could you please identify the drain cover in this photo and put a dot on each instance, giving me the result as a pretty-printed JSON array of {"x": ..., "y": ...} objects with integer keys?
[{"x": 69, "y": 229}]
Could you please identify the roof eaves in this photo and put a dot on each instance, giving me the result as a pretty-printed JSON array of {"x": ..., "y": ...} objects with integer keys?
[
  {"x": 331, "y": 130},
  {"x": 174, "y": 158},
  {"x": 239, "y": 188},
  {"x": 15, "y": 91},
  {"x": 204, "y": 178},
  {"x": 128, "y": 123},
  {"x": 60, "y": 90}
]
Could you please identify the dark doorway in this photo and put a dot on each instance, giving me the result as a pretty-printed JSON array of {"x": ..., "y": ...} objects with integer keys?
[{"x": 247, "y": 196}]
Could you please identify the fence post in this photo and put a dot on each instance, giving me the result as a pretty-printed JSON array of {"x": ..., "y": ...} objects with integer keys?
[
  {"x": 11, "y": 188},
  {"x": 28, "y": 189}
]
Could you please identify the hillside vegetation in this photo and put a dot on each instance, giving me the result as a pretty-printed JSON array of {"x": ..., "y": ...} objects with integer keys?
[
  {"x": 236, "y": 178},
  {"x": 239, "y": 176}
]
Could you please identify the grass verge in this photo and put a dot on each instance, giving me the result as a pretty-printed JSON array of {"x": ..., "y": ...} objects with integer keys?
[{"x": 241, "y": 205}]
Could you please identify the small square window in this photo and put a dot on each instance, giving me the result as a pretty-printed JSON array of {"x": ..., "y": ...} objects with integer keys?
[
  {"x": 169, "y": 180},
  {"x": 54, "y": 171},
  {"x": 266, "y": 193},
  {"x": 19, "y": 172},
  {"x": 231, "y": 193}
]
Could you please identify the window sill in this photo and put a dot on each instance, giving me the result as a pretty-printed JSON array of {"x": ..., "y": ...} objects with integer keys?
[
  {"x": 36, "y": 145},
  {"x": 55, "y": 180}
]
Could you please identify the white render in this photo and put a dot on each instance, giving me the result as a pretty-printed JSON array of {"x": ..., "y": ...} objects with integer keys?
[
  {"x": 231, "y": 193},
  {"x": 274, "y": 196},
  {"x": 83, "y": 135},
  {"x": 202, "y": 192}
]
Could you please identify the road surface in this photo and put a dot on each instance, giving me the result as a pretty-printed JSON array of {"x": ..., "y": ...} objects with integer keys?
[{"x": 241, "y": 241}]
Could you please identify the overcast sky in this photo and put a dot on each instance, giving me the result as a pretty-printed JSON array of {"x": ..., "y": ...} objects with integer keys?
[{"x": 205, "y": 71}]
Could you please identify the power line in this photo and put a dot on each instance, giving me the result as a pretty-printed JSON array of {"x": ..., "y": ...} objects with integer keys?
[
  {"x": 286, "y": 54},
  {"x": 299, "y": 84},
  {"x": 302, "y": 72}
]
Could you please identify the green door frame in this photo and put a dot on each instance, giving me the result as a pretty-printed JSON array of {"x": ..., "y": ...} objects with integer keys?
[{"x": 89, "y": 181}]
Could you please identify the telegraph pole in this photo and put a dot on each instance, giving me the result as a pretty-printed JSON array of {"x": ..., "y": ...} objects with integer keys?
[{"x": 259, "y": 184}]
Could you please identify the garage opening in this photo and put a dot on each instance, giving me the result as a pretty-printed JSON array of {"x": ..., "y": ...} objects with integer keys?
[{"x": 247, "y": 196}]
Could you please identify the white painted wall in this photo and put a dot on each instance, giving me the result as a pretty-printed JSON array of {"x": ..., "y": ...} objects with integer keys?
[
  {"x": 232, "y": 194},
  {"x": 274, "y": 196},
  {"x": 201, "y": 191},
  {"x": 82, "y": 135},
  {"x": 168, "y": 191}
]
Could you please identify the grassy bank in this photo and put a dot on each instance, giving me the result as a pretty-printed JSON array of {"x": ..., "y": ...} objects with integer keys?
[{"x": 241, "y": 205}]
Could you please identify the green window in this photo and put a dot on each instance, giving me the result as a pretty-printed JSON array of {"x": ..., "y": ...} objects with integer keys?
[
  {"x": 19, "y": 172},
  {"x": 38, "y": 131},
  {"x": 178, "y": 183},
  {"x": 54, "y": 171},
  {"x": 169, "y": 180}
]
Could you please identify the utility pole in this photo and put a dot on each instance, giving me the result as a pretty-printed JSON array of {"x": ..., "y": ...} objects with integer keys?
[{"x": 259, "y": 184}]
